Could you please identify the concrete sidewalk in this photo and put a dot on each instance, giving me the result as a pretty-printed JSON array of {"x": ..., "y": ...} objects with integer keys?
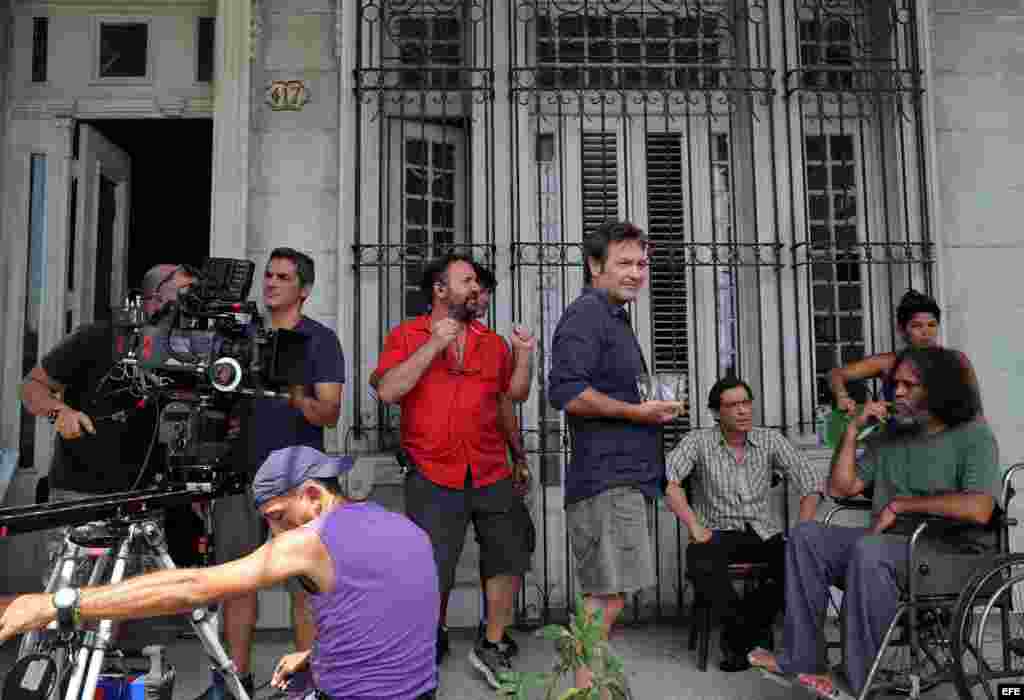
[{"x": 657, "y": 662}]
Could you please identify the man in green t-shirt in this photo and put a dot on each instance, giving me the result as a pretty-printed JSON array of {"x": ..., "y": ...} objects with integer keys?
[{"x": 935, "y": 457}]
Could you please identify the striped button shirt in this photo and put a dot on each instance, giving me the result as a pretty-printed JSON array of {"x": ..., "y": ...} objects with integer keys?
[{"x": 727, "y": 494}]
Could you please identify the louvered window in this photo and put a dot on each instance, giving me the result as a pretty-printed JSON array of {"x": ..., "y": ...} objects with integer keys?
[
  {"x": 669, "y": 283},
  {"x": 600, "y": 179}
]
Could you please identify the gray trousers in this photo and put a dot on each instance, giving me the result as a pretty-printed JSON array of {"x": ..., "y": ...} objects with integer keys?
[{"x": 868, "y": 566}]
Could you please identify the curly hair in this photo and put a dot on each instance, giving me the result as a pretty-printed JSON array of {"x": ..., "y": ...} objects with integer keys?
[
  {"x": 436, "y": 271},
  {"x": 950, "y": 395},
  {"x": 914, "y": 302}
]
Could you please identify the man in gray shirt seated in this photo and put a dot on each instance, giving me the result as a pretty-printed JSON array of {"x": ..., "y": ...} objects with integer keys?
[{"x": 730, "y": 468}]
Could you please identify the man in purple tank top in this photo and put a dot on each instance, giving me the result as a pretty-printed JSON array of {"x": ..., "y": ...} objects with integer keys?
[{"x": 370, "y": 572}]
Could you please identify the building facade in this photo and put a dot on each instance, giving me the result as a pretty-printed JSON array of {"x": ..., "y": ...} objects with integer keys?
[{"x": 798, "y": 165}]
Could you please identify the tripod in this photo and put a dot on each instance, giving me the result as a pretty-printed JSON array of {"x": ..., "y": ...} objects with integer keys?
[{"x": 99, "y": 544}]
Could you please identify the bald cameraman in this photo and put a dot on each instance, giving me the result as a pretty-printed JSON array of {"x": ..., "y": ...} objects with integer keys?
[
  {"x": 99, "y": 449},
  {"x": 103, "y": 435}
]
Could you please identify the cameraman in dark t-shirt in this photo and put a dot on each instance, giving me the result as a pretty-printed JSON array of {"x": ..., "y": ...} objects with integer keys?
[
  {"x": 103, "y": 435},
  {"x": 99, "y": 449}
]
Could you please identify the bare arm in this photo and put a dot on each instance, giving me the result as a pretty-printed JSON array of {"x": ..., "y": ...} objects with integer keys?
[
  {"x": 675, "y": 498},
  {"x": 843, "y": 481},
  {"x": 522, "y": 376},
  {"x": 323, "y": 408},
  {"x": 523, "y": 344},
  {"x": 809, "y": 506},
  {"x": 37, "y": 394},
  {"x": 302, "y": 619},
  {"x": 970, "y": 506},
  {"x": 398, "y": 381},
  {"x": 509, "y": 426},
  {"x": 297, "y": 552},
  {"x": 868, "y": 368},
  {"x": 593, "y": 404}
]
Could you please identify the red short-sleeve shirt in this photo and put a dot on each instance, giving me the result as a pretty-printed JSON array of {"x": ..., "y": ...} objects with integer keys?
[{"x": 450, "y": 418}]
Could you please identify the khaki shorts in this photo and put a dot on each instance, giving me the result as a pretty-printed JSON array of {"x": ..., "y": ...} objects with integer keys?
[{"x": 611, "y": 542}]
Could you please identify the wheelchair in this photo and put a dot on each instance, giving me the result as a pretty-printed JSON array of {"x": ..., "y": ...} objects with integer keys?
[{"x": 956, "y": 621}]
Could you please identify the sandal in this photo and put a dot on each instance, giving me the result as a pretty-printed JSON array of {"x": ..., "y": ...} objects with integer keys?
[
  {"x": 756, "y": 657},
  {"x": 823, "y": 687}
]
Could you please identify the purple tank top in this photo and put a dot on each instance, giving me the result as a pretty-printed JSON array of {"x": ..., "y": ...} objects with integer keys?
[{"x": 377, "y": 631}]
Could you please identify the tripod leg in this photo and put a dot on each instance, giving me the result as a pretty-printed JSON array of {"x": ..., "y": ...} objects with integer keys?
[
  {"x": 199, "y": 618},
  {"x": 61, "y": 574},
  {"x": 88, "y": 665}
]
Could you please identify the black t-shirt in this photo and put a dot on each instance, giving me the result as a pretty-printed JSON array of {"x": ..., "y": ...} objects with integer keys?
[{"x": 110, "y": 460}]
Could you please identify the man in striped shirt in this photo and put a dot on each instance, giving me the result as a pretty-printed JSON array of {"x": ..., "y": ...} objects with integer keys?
[{"x": 730, "y": 469}]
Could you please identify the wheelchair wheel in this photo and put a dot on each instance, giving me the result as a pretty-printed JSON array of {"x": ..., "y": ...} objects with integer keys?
[{"x": 988, "y": 635}]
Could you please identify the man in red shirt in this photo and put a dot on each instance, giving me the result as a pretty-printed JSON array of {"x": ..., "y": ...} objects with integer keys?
[{"x": 449, "y": 372}]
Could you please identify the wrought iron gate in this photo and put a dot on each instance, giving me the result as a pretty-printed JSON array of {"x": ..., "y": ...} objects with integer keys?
[{"x": 774, "y": 152}]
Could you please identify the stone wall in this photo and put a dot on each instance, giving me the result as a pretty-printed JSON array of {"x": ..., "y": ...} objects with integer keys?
[{"x": 977, "y": 90}]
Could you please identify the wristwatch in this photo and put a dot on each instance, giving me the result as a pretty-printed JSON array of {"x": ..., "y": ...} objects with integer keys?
[{"x": 65, "y": 600}]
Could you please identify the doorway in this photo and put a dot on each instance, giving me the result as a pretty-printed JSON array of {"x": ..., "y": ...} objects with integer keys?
[{"x": 171, "y": 185}]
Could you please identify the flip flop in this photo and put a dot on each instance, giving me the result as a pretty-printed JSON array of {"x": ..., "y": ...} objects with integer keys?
[
  {"x": 786, "y": 680},
  {"x": 836, "y": 692}
]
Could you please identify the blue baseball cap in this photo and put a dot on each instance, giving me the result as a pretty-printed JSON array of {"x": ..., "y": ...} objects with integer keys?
[{"x": 286, "y": 469}]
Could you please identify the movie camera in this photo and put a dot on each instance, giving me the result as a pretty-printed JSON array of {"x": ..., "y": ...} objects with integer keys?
[{"x": 201, "y": 352}]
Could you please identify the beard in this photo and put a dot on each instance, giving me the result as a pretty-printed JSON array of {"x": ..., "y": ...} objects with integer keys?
[
  {"x": 463, "y": 312},
  {"x": 906, "y": 424}
]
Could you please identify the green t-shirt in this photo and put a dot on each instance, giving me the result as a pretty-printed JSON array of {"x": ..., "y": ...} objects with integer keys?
[{"x": 964, "y": 458}]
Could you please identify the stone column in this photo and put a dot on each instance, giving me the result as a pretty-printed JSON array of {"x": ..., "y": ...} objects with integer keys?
[{"x": 231, "y": 124}]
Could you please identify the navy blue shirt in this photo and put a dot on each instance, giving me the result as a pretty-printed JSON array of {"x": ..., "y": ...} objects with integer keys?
[
  {"x": 270, "y": 424},
  {"x": 594, "y": 346}
]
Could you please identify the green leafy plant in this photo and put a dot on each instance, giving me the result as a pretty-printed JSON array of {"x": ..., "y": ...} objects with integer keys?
[{"x": 579, "y": 644}]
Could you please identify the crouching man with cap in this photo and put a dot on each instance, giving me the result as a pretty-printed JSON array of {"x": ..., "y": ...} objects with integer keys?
[{"x": 371, "y": 575}]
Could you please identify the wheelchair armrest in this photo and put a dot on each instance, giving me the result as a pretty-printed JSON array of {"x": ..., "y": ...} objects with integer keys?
[{"x": 855, "y": 503}]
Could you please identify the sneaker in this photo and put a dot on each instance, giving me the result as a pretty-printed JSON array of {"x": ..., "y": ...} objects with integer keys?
[
  {"x": 508, "y": 646},
  {"x": 218, "y": 689},
  {"x": 442, "y": 644},
  {"x": 490, "y": 660}
]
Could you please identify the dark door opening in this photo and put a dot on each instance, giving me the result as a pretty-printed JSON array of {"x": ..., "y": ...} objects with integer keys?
[
  {"x": 168, "y": 222},
  {"x": 172, "y": 177}
]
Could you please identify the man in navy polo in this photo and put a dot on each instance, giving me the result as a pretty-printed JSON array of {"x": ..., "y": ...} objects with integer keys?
[
  {"x": 617, "y": 464},
  {"x": 271, "y": 424}
]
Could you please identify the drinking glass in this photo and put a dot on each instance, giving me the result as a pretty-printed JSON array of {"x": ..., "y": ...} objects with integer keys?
[
  {"x": 670, "y": 386},
  {"x": 663, "y": 386},
  {"x": 645, "y": 385}
]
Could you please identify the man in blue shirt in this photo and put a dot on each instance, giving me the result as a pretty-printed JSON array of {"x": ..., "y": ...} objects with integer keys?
[
  {"x": 617, "y": 464},
  {"x": 271, "y": 424}
]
